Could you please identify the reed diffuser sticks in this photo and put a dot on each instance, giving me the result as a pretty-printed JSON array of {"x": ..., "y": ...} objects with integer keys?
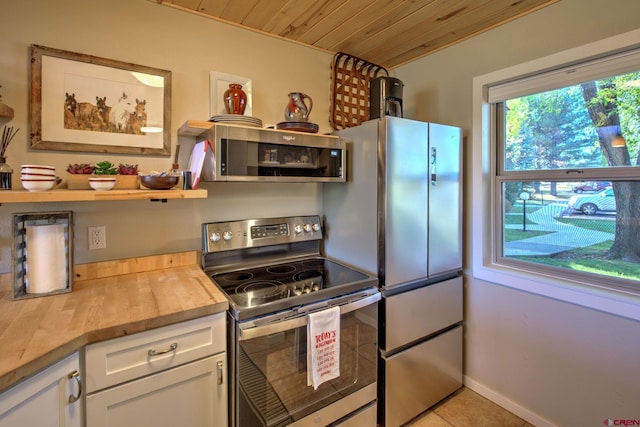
[{"x": 7, "y": 136}]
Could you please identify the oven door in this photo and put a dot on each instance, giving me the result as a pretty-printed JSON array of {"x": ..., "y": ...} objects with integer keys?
[{"x": 271, "y": 366}]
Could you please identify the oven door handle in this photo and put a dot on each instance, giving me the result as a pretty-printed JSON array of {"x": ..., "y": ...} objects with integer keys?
[{"x": 301, "y": 320}]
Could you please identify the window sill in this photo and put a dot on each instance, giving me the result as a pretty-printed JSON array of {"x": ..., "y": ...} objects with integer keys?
[{"x": 609, "y": 301}]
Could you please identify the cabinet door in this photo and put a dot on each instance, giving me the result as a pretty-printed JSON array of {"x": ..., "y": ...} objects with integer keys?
[
  {"x": 43, "y": 400},
  {"x": 191, "y": 395}
]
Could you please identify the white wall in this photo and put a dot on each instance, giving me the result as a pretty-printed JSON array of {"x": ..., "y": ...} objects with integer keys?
[
  {"x": 552, "y": 362},
  {"x": 147, "y": 33}
]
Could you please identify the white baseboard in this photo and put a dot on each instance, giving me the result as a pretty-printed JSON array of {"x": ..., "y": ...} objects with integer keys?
[{"x": 507, "y": 403}]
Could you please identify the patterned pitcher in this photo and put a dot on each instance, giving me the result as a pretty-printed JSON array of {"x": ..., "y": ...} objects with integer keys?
[{"x": 297, "y": 109}]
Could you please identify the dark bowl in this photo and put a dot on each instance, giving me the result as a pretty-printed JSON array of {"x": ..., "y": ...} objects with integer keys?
[{"x": 159, "y": 182}]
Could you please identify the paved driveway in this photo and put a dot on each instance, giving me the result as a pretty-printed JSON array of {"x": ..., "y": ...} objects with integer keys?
[{"x": 562, "y": 236}]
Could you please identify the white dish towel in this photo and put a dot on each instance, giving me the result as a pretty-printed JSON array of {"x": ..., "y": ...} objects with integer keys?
[{"x": 323, "y": 346}]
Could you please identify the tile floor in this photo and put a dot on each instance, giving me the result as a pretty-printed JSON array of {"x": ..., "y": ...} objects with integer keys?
[{"x": 467, "y": 408}]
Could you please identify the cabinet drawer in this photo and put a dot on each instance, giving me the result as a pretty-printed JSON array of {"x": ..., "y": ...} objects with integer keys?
[
  {"x": 421, "y": 376},
  {"x": 122, "y": 359},
  {"x": 366, "y": 416}
]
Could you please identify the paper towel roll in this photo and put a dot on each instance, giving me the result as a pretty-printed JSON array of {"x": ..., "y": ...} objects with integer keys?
[{"x": 46, "y": 258}]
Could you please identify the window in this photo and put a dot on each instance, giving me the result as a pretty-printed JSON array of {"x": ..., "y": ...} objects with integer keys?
[
  {"x": 560, "y": 160},
  {"x": 545, "y": 141}
]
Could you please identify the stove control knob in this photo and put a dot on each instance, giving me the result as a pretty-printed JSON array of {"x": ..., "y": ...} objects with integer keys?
[
  {"x": 297, "y": 291},
  {"x": 316, "y": 227},
  {"x": 297, "y": 229},
  {"x": 315, "y": 288},
  {"x": 227, "y": 235},
  {"x": 306, "y": 290},
  {"x": 215, "y": 237},
  {"x": 307, "y": 228}
]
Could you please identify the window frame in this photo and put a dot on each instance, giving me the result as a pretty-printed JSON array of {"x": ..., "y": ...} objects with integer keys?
[{"x": 486, "y": 194}]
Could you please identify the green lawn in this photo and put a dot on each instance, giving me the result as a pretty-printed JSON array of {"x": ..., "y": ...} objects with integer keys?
[{"x": 589, "y": 259}]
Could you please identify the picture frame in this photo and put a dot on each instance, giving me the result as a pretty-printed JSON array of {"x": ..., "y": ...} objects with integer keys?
[
  {"x": 219, "y": 83},
  {"x": 85, "y": 103}
]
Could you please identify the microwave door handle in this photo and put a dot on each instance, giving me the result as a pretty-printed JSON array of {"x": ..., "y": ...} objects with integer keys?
[{"x": 302, "y": 319}]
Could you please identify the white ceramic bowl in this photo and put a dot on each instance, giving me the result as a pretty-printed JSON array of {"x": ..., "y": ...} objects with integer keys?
[
  {"x": 38, "y": 184},
  {"x": 102, "y": 184},
  {"x": 37, "y": 176},
  {"x": 39, "y": 169}
]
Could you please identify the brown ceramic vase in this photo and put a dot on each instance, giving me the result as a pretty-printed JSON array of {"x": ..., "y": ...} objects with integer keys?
[{"x": 235, "y": 100}]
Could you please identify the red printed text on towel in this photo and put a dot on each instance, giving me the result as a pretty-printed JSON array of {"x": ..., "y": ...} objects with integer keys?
[{"x": 326, "y": 353}]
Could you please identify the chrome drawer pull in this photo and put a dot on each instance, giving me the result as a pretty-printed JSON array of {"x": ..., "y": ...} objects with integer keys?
[
  {"x": 220, "y": 373},
  {"x": 76, "y": 376},
  {"x": 171, "y": 348}
]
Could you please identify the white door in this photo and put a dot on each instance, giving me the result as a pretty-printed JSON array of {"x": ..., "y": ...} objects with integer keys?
[
  {"x": 43, "y": 400},
  {"x": 191, "y": 395}
]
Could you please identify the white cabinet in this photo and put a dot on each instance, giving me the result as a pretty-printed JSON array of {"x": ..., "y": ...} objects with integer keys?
[
  {"x": 170, "y": 376},
  {"x": 189, "y": 395},
  {"x": 48, "y": 399}
]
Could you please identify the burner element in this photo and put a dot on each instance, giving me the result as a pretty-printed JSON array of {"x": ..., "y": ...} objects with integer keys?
[
  {"x": 306, "y": 275},
  {"x": 238, "y": 276},
  {"x": 261, "y": 287},
  {"x": 315, "y": 262},
  {"x": 259, "y": 292},
  {"x": 281, "y": 269}
]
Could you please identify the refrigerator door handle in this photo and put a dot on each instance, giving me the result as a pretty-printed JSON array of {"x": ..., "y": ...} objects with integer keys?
[{"x": 434, "y": 176}]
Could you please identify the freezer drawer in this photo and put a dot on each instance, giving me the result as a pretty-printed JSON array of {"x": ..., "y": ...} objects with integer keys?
[
  {"x": 421, "y": 376},
  {"x": 420, "y": 312}
]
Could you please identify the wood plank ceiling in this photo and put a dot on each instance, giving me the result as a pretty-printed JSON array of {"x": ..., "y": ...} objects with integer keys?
[{"x": 389, "y": 33}]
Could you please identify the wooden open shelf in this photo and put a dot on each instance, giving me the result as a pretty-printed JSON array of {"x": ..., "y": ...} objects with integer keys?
[
  {"x": 23, "y": 196},
  {"x": 194, "y": 127}
]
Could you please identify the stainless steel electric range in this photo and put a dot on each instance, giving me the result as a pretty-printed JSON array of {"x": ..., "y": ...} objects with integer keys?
[{"x": 274, "y": 276}]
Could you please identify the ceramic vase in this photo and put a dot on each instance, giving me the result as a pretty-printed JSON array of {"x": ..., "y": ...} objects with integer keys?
[
  {"x": 235, "y": 100},
  {"x": 5, "y": 175}
]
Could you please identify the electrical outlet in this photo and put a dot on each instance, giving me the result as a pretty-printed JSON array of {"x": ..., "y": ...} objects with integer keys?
[{"x": 97, "y": 237}]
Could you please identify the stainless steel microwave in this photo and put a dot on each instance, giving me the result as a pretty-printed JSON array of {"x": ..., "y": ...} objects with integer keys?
[{"x": 254, "y": 154}]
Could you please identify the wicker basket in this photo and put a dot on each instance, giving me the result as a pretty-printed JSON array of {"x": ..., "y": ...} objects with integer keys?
[{"x": 350, "y": 77}]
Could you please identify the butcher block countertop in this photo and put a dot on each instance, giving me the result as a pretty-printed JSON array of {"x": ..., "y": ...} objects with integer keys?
[{"x": 109, "y": 299}]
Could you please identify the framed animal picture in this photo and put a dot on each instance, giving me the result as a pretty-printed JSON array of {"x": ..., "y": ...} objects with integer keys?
[{"x": 85, "y": 103}]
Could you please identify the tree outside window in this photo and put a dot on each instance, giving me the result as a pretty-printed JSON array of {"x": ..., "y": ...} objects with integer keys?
[{"x": 575, "y": 150}]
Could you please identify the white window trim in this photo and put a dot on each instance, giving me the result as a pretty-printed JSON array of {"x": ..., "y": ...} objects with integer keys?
[{"x": 483, "y": 200}]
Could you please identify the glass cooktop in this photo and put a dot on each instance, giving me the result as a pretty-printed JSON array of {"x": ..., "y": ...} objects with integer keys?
[{"x": 306, "y": 278}]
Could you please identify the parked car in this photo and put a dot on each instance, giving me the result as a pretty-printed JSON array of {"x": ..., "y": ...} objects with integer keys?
[
  {"x": 589, "y": 204},
  {"x": 591, "y": 187}
]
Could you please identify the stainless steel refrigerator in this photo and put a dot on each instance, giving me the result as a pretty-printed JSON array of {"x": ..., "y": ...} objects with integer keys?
[{"x": 399, "y": 217}]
